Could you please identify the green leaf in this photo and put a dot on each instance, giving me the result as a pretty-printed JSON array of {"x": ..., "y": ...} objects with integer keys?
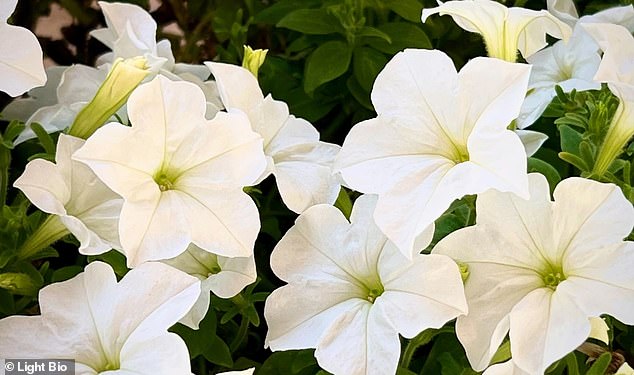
[
  {"x": 343, "y": 203},
  {"x": 362, "y": 96},
  {"x": 570, "y": 139},
  {"x": 571, "y": 364},
  {"x": 45, "y": 139},
  {"x": 113, "y": 258},
  {"x": 574, "y": 160},
  {"x": 284, "y": 362},
  {"x": 311, "y": 21},
  {"x": 503, "y": 353},
  {"x": 216, "y": 351},
  {"x": 409, "y": 9},
  {"x": 66, "y": 273},
  {"x": 540, "y": 166},
  {"x": 274, "y": 13},
  {"x": 372, "y": 32},
  {"x": 366, "y": 64},
  {"x": 327, "y": 62},
  {"x": 600, "y": 366},
  {"x": 403, "y": 35}
]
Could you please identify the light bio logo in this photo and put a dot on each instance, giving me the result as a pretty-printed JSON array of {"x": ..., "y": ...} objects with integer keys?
[{"x": 39, "y": 366}]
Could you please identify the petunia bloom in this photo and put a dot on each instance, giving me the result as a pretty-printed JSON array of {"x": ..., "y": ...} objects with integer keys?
[
  {"x": 438, "y": 136},
  {"x": 350, "y": 292},
  {"x": 301, "y": 164},
  {"x": 540, "y": 269},
  {"x": 504, "y": 30},
  {"x": 224, "y": 277},
  {"x": 87, "y": 207},
  {"x": 21, "y": 66},
  {"x": 181, "y": 176},
  {"x": 108, "y": 326}
]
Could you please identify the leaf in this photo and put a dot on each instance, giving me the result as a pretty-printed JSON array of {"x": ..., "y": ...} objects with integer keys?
[
  {"x": 311, "y": 21},
  {"x": 570, "y": 139},
  {"x": 343, "y": 203},
  {"x": 66, "y": 273},
  {"x": 403, "y": 35},
  {"x": 366, "y": 64},
  {"x": 540, "y": 166},
  {"x": 216, "y": 351},
  {"x": 19, "y": 283},
  {"x": 574, "y": 160},
  {"x": 284, "y": 362},
  {"x": 600, "y": 366},
  {"x": 45, "y": 139},
  {"x": 327, "y": 62},
  {"x": 274, "y": 13},
  {"x": 367, "y": 31},
  {"x": 409, "y": 9}
]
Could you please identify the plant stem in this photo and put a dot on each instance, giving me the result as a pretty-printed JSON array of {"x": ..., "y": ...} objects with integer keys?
[
  {"x": 242, "y": 333},
  {"x": 51, "y": 230}
]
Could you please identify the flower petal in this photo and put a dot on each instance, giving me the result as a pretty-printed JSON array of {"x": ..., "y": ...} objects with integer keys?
[
  {"x": 371, "y": 345},
  {"x": 545, "y": 326},
  {"x": 298, "y": 314},
  {"x": 423, "y": 293},
  {"x": 21, "y": 66},
  {"x": 590, "y": 215}
]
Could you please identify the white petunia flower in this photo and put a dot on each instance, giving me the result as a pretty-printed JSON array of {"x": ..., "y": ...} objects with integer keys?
[
  {"x": 504, "y": 30},
  {"x": 224, "y": 277},
  {"x": 350, "y": 292},
  {"x": 87, "y": 207},
  {"x": 539, "y": 270},
  {"x": 439, "y": 135},
  {"x": 566, "y": 11},
  {"x": 570, "y": 65},
  {"x": 21, "y": 66},
  {"x": 131, "y": 31},
  {"x": 180, "y": 175},
  {"x": 243, "y": 372},
  {"x": 301, "y": 164},
  {"x": 108, "y": 326}
]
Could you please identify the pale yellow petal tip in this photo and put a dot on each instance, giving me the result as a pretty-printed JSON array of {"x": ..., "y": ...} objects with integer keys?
[
  {"x": 253, "y": 59},
  {"x": 625, "y": 369},
  {"x": 599, "y": 330}
]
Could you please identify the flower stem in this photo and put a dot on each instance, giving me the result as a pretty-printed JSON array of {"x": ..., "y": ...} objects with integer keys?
[
  {"x": 51, "y": 230},
  {"x": 242, "y": 333}
]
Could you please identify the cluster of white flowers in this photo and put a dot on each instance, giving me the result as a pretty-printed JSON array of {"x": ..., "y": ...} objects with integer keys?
[{"x": 163, "y": 182}]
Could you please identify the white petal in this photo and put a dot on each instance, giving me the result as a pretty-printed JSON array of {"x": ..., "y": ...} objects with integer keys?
[
  {"x": 424, "y": 293},
  {"x": 305, "y": 252},
  {"x": 590, "y": 215},
  {"x": 168, "y": 355},
  {"x": 601, "y": 281},
  {"x": 44, "y": 186},
  {"x": 225, "y": 153},
  {"x": 222, "y": 222},
  {"x": 304, "y": 175},
  {"x": 235, "y": 274},
  {"x": 530, "y": 28},
  {"x": 154, "y": 229},
  {"x": 120, "y": 17},
  {"x": 361, "y": 342},
  {"x": 127, "y": 175},
  {"x": 545, "y": 326},
  {"x": 237, "y": 86},
  {"x": 618, "y": 46},
  {"x": 534, "y": 105},
  {"x": 298, "y": 314},
  {"x": 21, "y": 66},
  {"x": 6, "y": 9},
  {"x": 565, "y": 10},
  {"x": 531, "y": 140},
  {"x": 418, "y": 84},
  {"x": 491, "y": 103}
]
